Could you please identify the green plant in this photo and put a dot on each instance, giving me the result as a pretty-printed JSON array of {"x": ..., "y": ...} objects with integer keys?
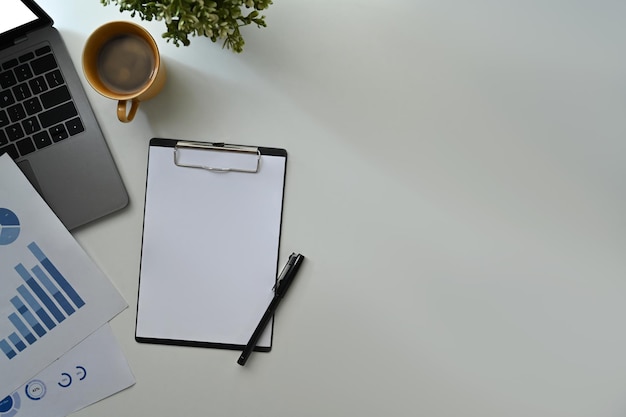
[{"x": 218, "y": 19}]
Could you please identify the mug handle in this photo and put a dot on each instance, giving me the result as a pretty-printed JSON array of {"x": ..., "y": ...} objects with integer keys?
[{"x": 121, "y": 110}]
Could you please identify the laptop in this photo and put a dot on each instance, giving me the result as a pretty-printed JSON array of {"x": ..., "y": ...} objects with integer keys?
[{"x": 46, "y": 122}]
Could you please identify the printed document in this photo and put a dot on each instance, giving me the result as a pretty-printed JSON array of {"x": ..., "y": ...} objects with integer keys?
[
  {"x": 52, "y": 295},
  {"x": 93, "y": 370}
]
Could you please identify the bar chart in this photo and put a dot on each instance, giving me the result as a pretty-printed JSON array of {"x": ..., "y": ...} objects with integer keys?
[{"x": 43, "y": 301}]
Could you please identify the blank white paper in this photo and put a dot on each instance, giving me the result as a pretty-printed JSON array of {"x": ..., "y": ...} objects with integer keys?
[{"x": 210, "y": 250}]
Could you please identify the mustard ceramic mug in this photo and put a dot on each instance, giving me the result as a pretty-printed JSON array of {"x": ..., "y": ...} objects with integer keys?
[{"x": 121, "y": 61}]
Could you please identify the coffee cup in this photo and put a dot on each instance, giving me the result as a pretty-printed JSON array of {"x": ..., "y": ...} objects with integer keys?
[{"x": 121, "y": 61}]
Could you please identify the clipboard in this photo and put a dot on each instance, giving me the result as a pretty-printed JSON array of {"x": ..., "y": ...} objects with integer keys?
[{"x": 210, "y": 246}]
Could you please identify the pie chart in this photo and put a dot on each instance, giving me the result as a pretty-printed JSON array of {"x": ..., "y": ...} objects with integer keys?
[{"x": 9, "y": 226}]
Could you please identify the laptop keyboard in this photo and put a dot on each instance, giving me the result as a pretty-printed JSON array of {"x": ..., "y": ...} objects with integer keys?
[{"x": 36, "y": 108}]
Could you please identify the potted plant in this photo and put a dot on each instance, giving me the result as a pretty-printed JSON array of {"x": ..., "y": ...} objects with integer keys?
[{"x": 216, "y": 19}]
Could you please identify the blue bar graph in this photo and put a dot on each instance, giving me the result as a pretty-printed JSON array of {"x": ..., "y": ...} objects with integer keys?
[
  {"x": 17, "y": 342},
  {"x": 44, "y": 301},
  {"x": 22, "y": 328},
  {"x": 28, "y": 316},
  {"x": 56, "y": 275},
  {"x": 37, "y": 308},
  {"x": 6, "y": 349},
  {"x": 54, "y": 290}
]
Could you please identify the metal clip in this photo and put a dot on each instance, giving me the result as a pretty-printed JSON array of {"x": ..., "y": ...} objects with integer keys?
[{"x": 218, "y": 147}]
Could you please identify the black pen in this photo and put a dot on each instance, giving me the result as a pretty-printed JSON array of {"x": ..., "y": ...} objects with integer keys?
[{"x": 282, "y": 285}]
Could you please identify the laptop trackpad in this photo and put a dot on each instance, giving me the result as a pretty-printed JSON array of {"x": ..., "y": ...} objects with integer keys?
[{"x": 30, "y": 174}]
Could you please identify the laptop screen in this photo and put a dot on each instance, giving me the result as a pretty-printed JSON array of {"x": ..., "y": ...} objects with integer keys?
[
  {"x": 14, "y": 14},
  {"x": 18, "y": 17}
]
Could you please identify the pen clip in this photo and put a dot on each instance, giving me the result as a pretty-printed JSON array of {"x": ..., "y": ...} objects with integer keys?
[{"x": 290, "y": 263}]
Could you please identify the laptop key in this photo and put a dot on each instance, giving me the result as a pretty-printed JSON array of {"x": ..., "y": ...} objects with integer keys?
[
  {"x": 31, "y": 125},
  {"x": 55, "y": 78},
  {"x": 58, "y": 133},
  {"x": 74, "y": 126},
  {"x": 32, "y": 106},
  {"x": 3, "y": 138},
  {"x": 26, "y": 57},
  {"x": 57, "y": 114},
  {"x": 25, "y": 146},
  {"x": 38, "y": 85},
  {"x": 6, "y": 98},
  {"x": 11, "y": 150},
  {"x": 23, "y": 72},
  {"x": 42, "y": 139},
  {"x": 56, "y": 96},
  {"x": 43, "y": 50},
  {"x": 10, "y": 64},
  {"x": 14, "y": 132},
  {"x": 4, "y": 118},
  {"x": 21, "y": 91},
  {"x": 7, "y": 79},
  {"x": 16, "y": 112},
  {"x": 43, "y": 64}
]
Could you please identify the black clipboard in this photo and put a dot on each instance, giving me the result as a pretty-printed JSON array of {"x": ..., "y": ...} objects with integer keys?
[{"x": 210, "y": 246}]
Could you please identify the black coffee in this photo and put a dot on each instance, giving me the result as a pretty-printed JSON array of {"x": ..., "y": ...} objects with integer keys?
[{"x": 125, "y": 63}]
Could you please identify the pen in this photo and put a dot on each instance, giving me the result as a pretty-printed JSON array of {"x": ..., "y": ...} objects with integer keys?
[{"x": 282, "y": 285}]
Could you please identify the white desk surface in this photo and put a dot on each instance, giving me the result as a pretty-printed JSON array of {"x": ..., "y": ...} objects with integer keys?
[{"x": 456, "y": 180}]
